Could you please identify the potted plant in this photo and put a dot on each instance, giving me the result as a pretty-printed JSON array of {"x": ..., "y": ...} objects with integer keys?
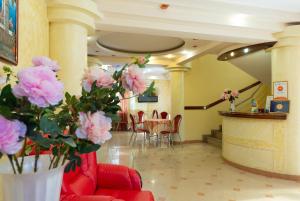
[
  {"x": 43, "y": 132},
  {"x": 230, "y": 95}
]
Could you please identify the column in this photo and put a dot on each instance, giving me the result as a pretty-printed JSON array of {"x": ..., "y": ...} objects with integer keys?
[
  {"x": 71, "y": 21},
  {"x": 286, "y": 67},
  {"x": 177, "y": 94}
]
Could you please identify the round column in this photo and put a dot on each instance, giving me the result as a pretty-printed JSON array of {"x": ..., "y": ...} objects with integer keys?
[
  {"x": 71, "y": 21},
  {"x": 177, "y": 93},
  {"x": 286, "y": 67}
]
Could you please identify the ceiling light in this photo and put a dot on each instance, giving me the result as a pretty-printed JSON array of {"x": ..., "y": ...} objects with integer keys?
[
  {"x": 170, "y": 56},
  {"x": 232, "y": 54},
  {"x": 187, "y": 53},
  {"x": 246, "y": 50},
  {"x": 239, "y": 19}
]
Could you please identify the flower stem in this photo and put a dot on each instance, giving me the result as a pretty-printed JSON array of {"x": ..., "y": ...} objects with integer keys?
[
  {"x": 10, "y": 157},
  {"x": 18, "y": 164},
  {"x": 37, "y": 155}
]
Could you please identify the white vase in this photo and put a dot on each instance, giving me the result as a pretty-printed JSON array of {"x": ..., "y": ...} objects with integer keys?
[
  {"x": 232, "y": 106},
  {"x": 45, "y": 185}
]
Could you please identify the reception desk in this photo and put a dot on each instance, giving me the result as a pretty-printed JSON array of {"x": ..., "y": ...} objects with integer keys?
[{"x": 256, "y": 142}]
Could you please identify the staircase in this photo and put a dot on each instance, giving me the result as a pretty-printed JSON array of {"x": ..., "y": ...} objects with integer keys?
[{"x": 214, "y": 138}]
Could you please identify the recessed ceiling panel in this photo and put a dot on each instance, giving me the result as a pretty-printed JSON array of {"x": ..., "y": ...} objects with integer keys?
[{"x": 138, "y": 43}]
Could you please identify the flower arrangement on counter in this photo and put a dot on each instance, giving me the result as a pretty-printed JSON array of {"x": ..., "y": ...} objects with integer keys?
[
  {"x": 230, "y": 95},
  {"x": 36, "y": 117}
]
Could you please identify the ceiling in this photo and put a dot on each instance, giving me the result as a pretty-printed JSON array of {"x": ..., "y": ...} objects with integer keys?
[{"x": 205, "y": 26}]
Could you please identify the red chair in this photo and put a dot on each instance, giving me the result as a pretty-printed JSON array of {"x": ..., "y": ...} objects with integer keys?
[
  {"x": 164, "y": 115},
  {"x": 173, "y": 131},
  {"x": 154, "y": 114},
  {"x": 136, "y": 130},
  {"x": 102, "y": 182},
  {"x": 141, "y": 117}
]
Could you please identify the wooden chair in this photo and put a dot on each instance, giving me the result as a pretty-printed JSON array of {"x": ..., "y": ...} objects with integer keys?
[
  {"x": 154, "y": 114},
  {"x": 136, "y": 130},
  {"x": 175, "y": 129}
]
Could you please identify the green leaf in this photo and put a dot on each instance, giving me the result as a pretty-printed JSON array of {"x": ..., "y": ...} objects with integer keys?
[
  {"x": 49, "y": 126},
  {"x": 114, "y": 117},
  {"x": 150, "y": 90},
  {"x": 69, "y": 141},
  {"x": 7, "y": 96},
  {"x": 85, "y": 148},
  {"x": 42, "y": 141},
  {"x": 5, "y": 111}
]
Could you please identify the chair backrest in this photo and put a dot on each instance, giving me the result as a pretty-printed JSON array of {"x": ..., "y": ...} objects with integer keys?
[
  {"x": 154, "y": 114},
  {"x": 164, "y": 115},
  {"x": 140, "y": 115},
  {"x": 177, "y": 121},
  {"x": 82, "y": 181},
  {"x": 132, "y": 123}
]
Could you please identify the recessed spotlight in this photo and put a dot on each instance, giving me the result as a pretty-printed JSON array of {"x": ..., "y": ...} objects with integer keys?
[
  {"x": 232, "y": 54},
  {"x": 246, "y": 50},
  {"x": 170, "y": 56},
  {"x": 187, "y": 53}
]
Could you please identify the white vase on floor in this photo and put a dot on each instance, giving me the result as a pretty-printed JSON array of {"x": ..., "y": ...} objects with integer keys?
[
  {"x": 232, "y": 106},
  {"x": 45, "y": 185}
]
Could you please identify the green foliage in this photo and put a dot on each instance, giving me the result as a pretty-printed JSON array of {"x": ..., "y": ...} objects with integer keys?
[
  {"x": 49, "y": 126},
  {"x": 53, "y": 128}
]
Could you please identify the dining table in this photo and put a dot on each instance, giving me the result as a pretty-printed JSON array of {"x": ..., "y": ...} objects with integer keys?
[{"x": 155, "y": 126}]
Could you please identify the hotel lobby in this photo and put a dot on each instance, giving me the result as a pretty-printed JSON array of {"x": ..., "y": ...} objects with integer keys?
[{"x": 126, "y": 100}]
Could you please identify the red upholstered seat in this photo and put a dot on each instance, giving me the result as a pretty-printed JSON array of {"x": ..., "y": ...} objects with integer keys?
[
  {"x": 102, "y": 182},
  {"x": 127, "y": 194}
]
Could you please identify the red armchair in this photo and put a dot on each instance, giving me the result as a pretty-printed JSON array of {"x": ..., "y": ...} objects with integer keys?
[{"x": 103, "y": 182}]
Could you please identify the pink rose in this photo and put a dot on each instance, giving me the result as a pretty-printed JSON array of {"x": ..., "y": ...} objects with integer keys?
[
  {"x": 133, "y": 80},
  {"x": 11, "y": 133},
  {"x": 235, "y": 93},
  {"x": 45, "y": 62},
  {"x": 94, "y": 127},
  {"x": 40, "y": 86},
  {"x": 102, "y": 78},
  {"x": 141, "y": 60}
]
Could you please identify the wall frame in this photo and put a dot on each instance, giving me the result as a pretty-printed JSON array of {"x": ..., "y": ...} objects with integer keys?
[{"x": 9, "y": 31}]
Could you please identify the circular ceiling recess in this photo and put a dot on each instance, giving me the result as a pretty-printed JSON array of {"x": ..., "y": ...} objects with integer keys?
[{"x": 138, "y": 43}]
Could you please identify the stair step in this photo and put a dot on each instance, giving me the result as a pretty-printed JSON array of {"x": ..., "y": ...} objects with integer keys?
[
  {"x": 214, "y": 141},
  {"x": 204, "y": 137},
  {"x": 216, "y": 133}
]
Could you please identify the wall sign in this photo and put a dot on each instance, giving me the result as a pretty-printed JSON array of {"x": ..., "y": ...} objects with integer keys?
[
  {"x": 9, "y": 31},
  {"x": 280, "y": 90}
]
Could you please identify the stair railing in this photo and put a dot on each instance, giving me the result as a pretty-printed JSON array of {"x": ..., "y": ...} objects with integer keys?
[{"x": 217, "y": 102}]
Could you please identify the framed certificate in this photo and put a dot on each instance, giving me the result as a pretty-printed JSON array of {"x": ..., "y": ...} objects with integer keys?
[{"x": 280, "y": 90}]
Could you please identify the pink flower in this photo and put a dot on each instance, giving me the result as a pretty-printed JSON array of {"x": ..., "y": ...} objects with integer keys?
[
  {"x": 133, "y": 80},
  {"x": 94, "y": 127},
  {"x": 141, "y": 60},
  {"x": 235, "y": 93},
  {"x": 40, "y": 86},
  {"x": 102, "y": 78},
  {"x": 11, "y": 133},
  {"x": 45, "y": 62}
]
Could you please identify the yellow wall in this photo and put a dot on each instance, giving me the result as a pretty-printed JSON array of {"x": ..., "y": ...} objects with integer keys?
[
  {"x": 204, "y": 84},
  {"x": 164, "y": 100},
  {"x": 33, "y": 34},
  {"x": 33, "y": 31}
]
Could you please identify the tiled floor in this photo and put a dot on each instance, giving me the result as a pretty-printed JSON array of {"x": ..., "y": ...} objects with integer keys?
[{"x": 194, "y": 172}]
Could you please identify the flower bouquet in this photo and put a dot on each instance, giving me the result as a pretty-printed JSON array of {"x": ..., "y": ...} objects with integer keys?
[
  {"x": 43, "y": 132},
  {"x": 230, "y": 95}
]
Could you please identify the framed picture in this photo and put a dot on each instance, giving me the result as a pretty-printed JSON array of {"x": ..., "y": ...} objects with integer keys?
[
  {"x": 9, "y": 31},
  {"x": 280, "y": 90}
]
